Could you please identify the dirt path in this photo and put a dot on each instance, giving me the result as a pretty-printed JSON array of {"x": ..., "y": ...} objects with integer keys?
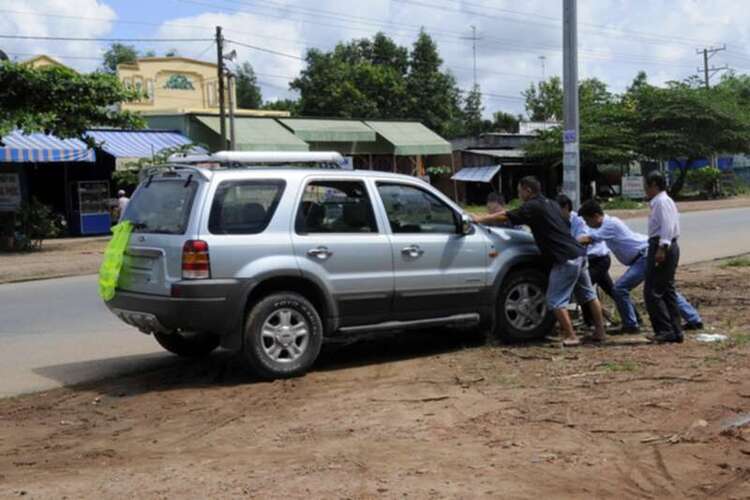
[
  {"x": 424, "y": 415},
  {"x": 58, "y": 258}
]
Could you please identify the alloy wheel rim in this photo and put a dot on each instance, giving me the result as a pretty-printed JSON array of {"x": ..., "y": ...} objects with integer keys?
[
  {"x": 525, "y": 306},
  {"x": 285, "y": 335}
]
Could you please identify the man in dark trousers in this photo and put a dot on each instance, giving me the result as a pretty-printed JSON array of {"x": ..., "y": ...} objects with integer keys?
[
  {"x": 662, "y": 260},
  {"x": 569, "y": 273},
  {"x": 597, "y": 254}
]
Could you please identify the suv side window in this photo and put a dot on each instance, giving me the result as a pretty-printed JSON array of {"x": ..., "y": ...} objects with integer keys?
[
  {"x": 330, "y": 206},
  {"x": 244, "y": 207},
  {"x": 413, "y": 210}
]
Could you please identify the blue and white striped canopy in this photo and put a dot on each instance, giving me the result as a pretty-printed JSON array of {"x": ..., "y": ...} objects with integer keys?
[
  {"x": 42, "y": 148},
  {"x": 138, "y": 144}
]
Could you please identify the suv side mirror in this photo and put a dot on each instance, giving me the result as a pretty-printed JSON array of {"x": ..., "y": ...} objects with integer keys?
[{"x": 466, "y": 225}]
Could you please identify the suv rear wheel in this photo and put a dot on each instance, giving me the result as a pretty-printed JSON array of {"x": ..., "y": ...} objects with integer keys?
[
  {"x": 188, "y": 344},
  {"x": 522, "y": 312},
  {"x": 283, "y": 335}
]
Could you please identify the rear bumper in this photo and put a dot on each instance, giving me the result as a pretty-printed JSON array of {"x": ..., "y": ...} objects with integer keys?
[{"x": 207, "y": 305}]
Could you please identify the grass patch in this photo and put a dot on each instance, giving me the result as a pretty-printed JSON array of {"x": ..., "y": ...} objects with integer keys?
[
  {"x": 622, "y": 204},
  {"x": 741, "y": 339},
  {"x": 736, "y": 262},
  {"x": 620, "y": 366}
]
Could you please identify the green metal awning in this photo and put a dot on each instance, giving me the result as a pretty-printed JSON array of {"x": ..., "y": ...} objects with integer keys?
[
  {"x": 329, "y": 130},
  {"x": 411, "y": 138},
  {"x": 258, "y": 134}
]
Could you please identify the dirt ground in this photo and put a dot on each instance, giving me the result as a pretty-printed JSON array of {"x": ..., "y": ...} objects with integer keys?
[
  {"x": 58, "y": 258},
  {"x": 435, "y": 414}
]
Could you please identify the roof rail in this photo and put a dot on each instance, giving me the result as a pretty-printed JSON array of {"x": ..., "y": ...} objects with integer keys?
[
  {"x": 160, "y": 169},
  {"x": 240, "y": 158}
]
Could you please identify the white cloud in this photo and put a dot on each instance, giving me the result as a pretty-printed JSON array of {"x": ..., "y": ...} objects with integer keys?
[
  {"x": 617, "y": 38},
  {"x": 283, "y": 37},
  {"x": 36, "y": 19}
]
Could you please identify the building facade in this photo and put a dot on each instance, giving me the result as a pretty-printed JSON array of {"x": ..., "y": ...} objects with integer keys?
[{"x": 171, "y": 84}]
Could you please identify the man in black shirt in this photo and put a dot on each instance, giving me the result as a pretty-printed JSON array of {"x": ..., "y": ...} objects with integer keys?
[{"x": 569, "y": 273}]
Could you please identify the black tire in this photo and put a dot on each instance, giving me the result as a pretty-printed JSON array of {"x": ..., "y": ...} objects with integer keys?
[
  {"x": 285, "y": 354},
  {"x": 188, "y": 344},
  {"x": 509, "y": 322}
]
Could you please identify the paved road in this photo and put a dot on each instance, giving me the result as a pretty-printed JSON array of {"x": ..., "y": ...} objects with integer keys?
[{"x": 57, "y": 332}]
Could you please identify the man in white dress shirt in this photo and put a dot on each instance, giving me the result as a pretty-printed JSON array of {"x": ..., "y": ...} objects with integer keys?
[
  {"x": 631, "y": 249},
  {"x": 662, "y": 260}
]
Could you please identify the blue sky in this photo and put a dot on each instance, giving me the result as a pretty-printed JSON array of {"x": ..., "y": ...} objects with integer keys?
[{"x": 519, "y": 40}]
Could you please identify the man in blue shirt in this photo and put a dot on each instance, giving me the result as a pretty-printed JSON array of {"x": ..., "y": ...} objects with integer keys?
[
  {"x": 630, "y": 248},
  {"x": 596, "y": 253}
]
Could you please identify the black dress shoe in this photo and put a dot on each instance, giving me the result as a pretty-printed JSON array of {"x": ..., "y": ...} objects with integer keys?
[
  {"x": 665, "y": 338},
  {"x": 693, "y": 326}
]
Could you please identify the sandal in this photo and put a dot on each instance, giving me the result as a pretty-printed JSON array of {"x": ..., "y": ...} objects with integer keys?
[{"x": 571, "y": 342}]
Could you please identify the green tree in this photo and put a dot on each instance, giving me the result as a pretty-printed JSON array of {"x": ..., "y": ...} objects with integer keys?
[
  {"x": 118, "y": 53},
  {"x": 60, "y": 101},
  {"x": 360, "y": 79},
  {"x": 246, "y": 85},
  {"x": 505, "y": 122},
  {"x": 434, "y": 98},
  {"x": 684, "y": 122},
  {"x": 282, "y": 105},
  {"x": 606, "y": 131},
  {"x": 473, "y": 113},
  {"x": 544, "y": 101}
]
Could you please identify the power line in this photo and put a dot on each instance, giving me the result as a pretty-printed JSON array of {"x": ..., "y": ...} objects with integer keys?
[
  {"x": 263, "y": 49},
  {"x": 85, "y": 39}
]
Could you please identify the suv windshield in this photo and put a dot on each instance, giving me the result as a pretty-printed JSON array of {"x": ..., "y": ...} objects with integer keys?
[{"x": 161, "y": 206}]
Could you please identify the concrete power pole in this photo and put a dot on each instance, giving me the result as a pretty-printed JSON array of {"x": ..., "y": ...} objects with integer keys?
[
  {"x": 571, "y": 154},
  {"x": 230, "y": 89},
  {"x": 707, "y": 71},
  {"x": 220, "y": 73}
]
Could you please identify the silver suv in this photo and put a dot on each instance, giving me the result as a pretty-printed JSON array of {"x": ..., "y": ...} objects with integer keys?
[{"x": 272, "y": 253}]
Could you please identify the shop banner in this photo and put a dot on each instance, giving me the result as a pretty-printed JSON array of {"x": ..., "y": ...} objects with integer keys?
[{"x": 10, "y": 192}]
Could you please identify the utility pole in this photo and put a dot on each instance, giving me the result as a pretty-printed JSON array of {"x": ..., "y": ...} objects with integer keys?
[
  {"x": 543, "y": 60},
  {"x": 220, "y": 73},
  {"x": 708, "y": 72},
  {"x": 473, "y": 39},
  {"x": 571, "y": 155},
  {"x": 230, "y": 89}
]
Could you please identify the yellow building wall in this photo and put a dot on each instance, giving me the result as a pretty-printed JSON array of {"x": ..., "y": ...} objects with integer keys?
[
  {"x": 43, "y": 60},
  {"x": 171, "y": 84}
]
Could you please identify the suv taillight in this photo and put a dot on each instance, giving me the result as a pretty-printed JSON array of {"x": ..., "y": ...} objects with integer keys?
[{"x": 195, "y": 261}]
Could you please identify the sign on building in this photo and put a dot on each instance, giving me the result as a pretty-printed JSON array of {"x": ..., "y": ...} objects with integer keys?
[
  {"x": 632, "y": 186},
  {"x": 10, "y": 192},
  {"x": 348, "y": 163}
]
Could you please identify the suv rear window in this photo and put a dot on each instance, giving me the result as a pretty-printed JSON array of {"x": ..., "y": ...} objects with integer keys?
[
  {"x": 244, "y": 207},
  {"x": 162, "y": 206}
]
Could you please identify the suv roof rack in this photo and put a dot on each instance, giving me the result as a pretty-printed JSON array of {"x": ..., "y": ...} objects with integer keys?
[{"x": 244, "y": 159}]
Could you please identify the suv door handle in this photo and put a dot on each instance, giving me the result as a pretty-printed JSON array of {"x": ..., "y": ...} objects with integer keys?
[
  {"x": 413, "y": 251},
  {"x": 321, "y": 253}
]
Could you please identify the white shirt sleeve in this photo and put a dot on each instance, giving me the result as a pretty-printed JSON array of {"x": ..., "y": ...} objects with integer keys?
[{"x": 663, "y": 218}]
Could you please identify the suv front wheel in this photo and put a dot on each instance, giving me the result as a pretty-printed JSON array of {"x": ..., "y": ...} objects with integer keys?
[
  {"x": 283, "y": 335},
  {"x": 522, "y": 312}
]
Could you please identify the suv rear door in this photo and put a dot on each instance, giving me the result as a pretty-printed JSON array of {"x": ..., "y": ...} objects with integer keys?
[
  {"x": 437, "y": 270},
  {"x": 160, "y": 211},
  {"x": 336, "y": 236}
]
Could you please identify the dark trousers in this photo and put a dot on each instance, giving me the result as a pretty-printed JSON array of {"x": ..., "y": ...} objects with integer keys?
[
  {"x": 599, "y": 271},
  {"x": 659, "y": 290}
]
